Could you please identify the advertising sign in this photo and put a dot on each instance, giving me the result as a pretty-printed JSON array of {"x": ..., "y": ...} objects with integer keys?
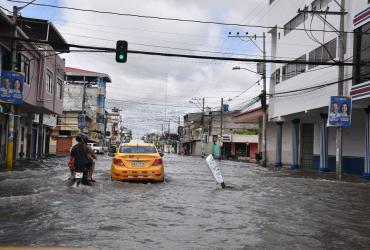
[
  {"x": 340, "y": 110},
  {"x": 81, "y": 121},
  {"x": 11, "y": 87}
]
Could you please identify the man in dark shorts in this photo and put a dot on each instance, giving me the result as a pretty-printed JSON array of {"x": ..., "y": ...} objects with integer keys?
[
  {"x": 91, "y": 157},
  {"x": 79, "y": 158}
]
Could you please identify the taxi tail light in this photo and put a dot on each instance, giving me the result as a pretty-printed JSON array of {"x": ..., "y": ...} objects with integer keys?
[
  {"x": 157, "y": 162},
  {"x": 118, "y": 162}
]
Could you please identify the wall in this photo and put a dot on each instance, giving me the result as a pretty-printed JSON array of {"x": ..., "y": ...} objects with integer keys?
[
  {"x": 295, "y": 44},
  {"x": 286, "y": 154}
]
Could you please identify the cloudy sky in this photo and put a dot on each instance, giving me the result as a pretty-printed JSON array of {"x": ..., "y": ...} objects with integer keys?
[{"x": 139, "y": 86}]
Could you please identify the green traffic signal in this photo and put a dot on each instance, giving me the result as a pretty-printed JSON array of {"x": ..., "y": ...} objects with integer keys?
[{"x": 121, "y": 51}]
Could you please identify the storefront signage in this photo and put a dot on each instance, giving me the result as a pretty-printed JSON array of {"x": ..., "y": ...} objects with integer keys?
[
  {"x": 11, "y": 87},
  {"x": 340, "y": 110}
]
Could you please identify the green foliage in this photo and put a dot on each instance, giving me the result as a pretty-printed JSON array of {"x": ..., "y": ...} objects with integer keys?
[{"x": 245, "y": 132}]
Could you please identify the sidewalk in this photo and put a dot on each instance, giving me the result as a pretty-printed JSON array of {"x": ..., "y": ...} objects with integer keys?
[{"x": 308, "y": 173}]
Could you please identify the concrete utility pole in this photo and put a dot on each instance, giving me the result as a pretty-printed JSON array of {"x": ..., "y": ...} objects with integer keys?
[
  {"x": 83, "y": 101},
  {"x": 221, "y": 121},
  {"x": 264, "y": 109},
  {"x": 339, "y": 135},
  {"x": 10, "y": 143},
  {"x": 202, "y": 138}
]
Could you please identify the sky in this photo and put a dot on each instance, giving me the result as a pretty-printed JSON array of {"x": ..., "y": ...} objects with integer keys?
[{"x": 152, "y": 90}]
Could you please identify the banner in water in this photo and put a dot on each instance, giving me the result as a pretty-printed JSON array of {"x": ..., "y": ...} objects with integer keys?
[
  {"x": 11, "y": 87},
  {"x": 340, "y": 111}
]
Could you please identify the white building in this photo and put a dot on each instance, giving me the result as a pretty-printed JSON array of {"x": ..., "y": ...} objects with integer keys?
[{"x": 297, "y": 134}]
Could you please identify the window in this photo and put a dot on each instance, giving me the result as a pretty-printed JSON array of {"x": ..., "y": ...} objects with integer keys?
[
  {"x": 24, "y": 67},
  {"x": 272, "y": 78},
  {"x": 329, "y": 50},
  {"x": 49, "y": 81},
  {"x": 277, "y": 76},
  {"x": 295, "y": 22},
  {"x": 323, "y": 53},
  {"x": 301, "y": 68},
  {"x": 291, "y": 70},
  {"x": 59, "y": 88},
  {"x": 361, "y": 52},
  {"x": 285, "y": 73},
  {"x": 319, "y": 4},
  {"x": 138, "y": 149},
  {"x": 6, "y": 59}
]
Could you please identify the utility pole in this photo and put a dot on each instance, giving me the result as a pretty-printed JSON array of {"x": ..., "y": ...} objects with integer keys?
[
  {"x": 168, "y": 129},
  {"x": 202, "y": 138},
  {"x": 264, "y": 107},
  {"x": 221, "y": 121},
  {"x": 10, "y": 143},
  {"x": 263, "y": 96},
  {"x": 83, "y": 102},
  {"x": 339, "y": 136}
]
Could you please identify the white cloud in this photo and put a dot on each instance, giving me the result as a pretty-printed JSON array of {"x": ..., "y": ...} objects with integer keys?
[{"x": 143, "y": 78}]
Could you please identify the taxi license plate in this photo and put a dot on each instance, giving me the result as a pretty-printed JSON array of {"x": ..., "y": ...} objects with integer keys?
[{"x": 138, "y": 163}]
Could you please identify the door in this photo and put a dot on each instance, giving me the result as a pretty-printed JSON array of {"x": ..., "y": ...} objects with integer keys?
[
  {"x": 307, "y": 146},
  {"x": 64, "y": 144}
]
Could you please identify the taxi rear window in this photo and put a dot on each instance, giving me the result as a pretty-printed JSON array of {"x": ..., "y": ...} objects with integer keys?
[{"x": 138, "y": 149}]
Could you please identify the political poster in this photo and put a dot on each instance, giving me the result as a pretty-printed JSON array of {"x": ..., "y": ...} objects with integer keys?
[
  {"x": 81, "y": 121},
  {"x": 340, "y": 111},
  {"x": 11, "y": 87}
]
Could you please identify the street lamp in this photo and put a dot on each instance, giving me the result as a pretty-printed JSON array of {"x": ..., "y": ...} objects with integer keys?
[{"x": 239, "y": 68}]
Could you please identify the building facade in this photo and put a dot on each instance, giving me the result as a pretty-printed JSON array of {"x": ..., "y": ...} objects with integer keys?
[
  {"x": 202, "y": 133},
  {"x": 297, "y": 133},
  {"x": 84, "y": 94},
  {"x": 43, "y": 72},
  {"x": 112, "y": 127}
]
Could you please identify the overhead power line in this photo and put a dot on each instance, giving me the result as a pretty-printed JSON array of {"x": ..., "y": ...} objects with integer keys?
[
  {"x": 148, "y": 103},
  {"x": 235, "y": 59},
  {"x": 162, "y": 18}
]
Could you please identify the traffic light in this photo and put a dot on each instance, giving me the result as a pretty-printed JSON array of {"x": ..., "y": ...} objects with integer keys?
[{"x": 121, "y": 51}]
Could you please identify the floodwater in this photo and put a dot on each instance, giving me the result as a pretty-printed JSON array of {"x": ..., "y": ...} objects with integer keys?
[{"x": 260, "y": 209}]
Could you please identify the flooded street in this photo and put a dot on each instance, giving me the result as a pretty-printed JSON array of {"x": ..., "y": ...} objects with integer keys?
[{"x": 260, "y": 209}]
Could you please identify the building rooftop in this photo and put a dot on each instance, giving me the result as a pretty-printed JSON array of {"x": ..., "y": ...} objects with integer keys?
[{"x": 70, "y": 71}]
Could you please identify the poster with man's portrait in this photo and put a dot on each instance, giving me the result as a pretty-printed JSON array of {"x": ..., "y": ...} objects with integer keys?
[{"x": 11, "y": 87}]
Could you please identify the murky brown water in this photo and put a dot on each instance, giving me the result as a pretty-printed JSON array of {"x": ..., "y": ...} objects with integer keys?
[{"x": 261, "y": 209}]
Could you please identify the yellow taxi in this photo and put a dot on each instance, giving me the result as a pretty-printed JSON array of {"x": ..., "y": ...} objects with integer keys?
[{"x": 136, "y": 161}]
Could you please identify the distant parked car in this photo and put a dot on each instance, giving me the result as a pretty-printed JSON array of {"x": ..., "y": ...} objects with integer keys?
[{"x": 98, "y": 149}]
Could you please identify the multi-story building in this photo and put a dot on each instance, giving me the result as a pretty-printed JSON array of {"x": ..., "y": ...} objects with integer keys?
[
  {"x": 84, "y": 94},
  {"x": 112, "y": 127},
  {"x": 40, "y": 93},
  {"x": 297, "y": 133},
  {"x": 126, "y": 134},
  {"x": 204, "y": 130}
]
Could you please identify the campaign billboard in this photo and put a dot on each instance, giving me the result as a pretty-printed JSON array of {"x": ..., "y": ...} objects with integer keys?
[
  {"x": 11, "y": 87},
  {"x": 340, "y": 111}
]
